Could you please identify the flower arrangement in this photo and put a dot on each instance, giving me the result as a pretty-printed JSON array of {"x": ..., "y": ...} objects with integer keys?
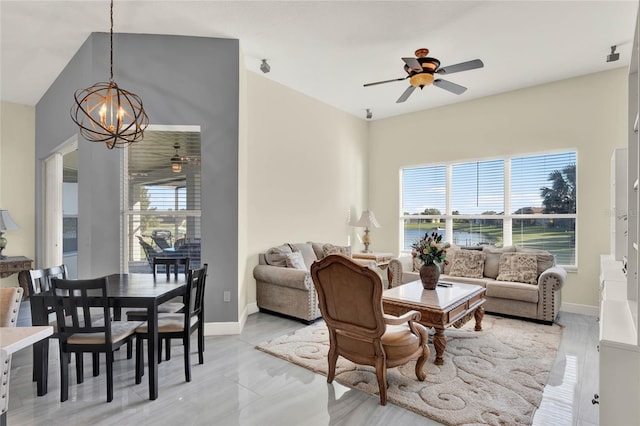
[{"x": 430, "y": 249}]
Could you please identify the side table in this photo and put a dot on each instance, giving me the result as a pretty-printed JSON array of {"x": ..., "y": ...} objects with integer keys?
[{"x": 16, "y": 264}]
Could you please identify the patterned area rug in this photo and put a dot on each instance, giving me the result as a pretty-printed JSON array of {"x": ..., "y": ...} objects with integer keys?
[{"x": 495, "y": 376}]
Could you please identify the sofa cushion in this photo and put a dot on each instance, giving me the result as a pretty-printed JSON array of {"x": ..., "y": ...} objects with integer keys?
[
  {"x": 308, "y": 254},
  {"x": 317, "y": 249},
  {"x": 467, "y": 263},
  {"x": 463, "y": 280},
  {"x": 545, "y": 259},
  {"x": 276, "y": 256},
  {"x": 328, "y": 249},
  {"x": 512, "y": 290},
  {"x": 492, "y": 259},
  {"x": 295, "y": 260},
  {"x": 518, "y": 267}
]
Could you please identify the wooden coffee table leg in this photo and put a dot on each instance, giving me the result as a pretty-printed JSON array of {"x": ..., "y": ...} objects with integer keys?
[
  {"x": 479, "y": 314},
  {"x": 439, "y": 343}
]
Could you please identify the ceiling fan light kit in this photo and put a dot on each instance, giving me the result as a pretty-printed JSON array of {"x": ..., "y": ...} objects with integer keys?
[{"x": 421, "y": 72}]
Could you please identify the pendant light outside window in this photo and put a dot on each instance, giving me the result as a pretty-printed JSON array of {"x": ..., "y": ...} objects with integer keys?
[{"x": 106, "y": 113}]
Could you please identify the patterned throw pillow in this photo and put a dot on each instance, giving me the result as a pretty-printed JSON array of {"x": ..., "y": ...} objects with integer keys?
[
  {"x": 451, "y": 254},
  {"x": 328, "y": 249},
  {"x": 518, "y": 267},
  {"x": 467, "y": 263},
  {"x": 295, "y": 260},
  {"x": 417, "y": 264}
]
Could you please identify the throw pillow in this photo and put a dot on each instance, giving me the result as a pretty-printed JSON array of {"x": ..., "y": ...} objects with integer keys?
[
  {"x": 317, "y": 248},
  {"x": 518, "y": 267},
  {"x": 308, "y": 254},
  {"x": 295, "y": 260},
  {"x": 417, "y": 264},
  {"x": 275, "y": 256},
  {"x": 545, "y": 259},
  {"x": 467, "y": 263},
  {"x": 451, "y": 254},
  {"x": 492, "y": 259},
  {"x": 328, "y": 249}
]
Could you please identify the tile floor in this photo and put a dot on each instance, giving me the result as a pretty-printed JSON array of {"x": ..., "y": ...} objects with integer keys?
[{"x": 239, "y": 385}]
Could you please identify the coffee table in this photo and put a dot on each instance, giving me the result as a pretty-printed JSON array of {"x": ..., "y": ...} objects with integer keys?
[{"x": 440, "y": 308}]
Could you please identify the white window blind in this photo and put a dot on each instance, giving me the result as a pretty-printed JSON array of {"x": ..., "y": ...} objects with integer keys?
[
  {"x": 478, "y": 187},
  {"x": 541, "y": 201}
]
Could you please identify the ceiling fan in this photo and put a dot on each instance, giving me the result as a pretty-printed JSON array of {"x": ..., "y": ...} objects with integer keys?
[{"x": 420, "y": 72}]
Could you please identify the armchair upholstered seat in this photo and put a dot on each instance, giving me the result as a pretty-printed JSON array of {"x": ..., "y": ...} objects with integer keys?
[{"x": 350, "y": 297}]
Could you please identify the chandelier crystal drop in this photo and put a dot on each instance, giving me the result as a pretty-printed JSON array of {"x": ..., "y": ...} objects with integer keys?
[{"x": 107, "y": 113}]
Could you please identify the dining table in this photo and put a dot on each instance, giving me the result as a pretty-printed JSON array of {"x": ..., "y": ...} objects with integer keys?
[{"x": 123, "y": 291}]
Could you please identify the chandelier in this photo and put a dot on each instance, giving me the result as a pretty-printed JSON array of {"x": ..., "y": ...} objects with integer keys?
[{"x": 106, "y": 113}]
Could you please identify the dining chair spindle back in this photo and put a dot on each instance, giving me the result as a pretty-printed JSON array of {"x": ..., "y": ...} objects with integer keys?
[
  {"x": 180, "y": 325},
  {"x": 81, "y": 329}
]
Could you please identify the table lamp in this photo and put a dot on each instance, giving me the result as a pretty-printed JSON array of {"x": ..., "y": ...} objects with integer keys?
[
  {"x": 6, "y": 223},
  {"x": 367, "y": 220}
]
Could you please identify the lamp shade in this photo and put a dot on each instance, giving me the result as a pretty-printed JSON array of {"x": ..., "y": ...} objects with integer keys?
[
  {"x": 6, "y": 222},
  {"x": 368, "y": 220}
]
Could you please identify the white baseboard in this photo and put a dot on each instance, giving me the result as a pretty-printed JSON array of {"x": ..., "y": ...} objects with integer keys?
[
  {"x": 227, "y": 328},
  {"x": 575, "y": 308}
]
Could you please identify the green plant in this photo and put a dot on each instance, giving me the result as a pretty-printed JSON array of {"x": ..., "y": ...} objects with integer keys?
[{"x": 430, "y": 249}]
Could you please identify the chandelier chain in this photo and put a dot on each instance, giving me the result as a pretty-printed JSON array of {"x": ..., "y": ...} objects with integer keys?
[{"x": 111, "y": 44}]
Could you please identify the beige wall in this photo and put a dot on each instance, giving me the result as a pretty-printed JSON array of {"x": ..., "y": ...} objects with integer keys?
[
  {"x": 587, "y": 114},
  {"x": 17, "y": 153},
  {"x": 307, "y": 170}
]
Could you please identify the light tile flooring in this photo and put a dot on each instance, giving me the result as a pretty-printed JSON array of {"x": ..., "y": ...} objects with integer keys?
[{"x": 239, "y": 385}]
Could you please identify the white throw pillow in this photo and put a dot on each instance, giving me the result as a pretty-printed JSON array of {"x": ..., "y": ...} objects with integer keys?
[{"x": 295, "y": 260}]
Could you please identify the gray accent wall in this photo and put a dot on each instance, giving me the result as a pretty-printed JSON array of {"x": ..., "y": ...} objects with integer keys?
[{"x": 182, "y": 81}]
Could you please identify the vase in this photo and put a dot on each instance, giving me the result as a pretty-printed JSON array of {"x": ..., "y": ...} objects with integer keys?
[{"x": 429, "y": 275}]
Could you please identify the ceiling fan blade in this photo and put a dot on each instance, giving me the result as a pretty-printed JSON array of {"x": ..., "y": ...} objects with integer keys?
[
  {"x": 385, "y": 81},
  {"x": 406, "y": 94},
  {"x": 413, "y": 64},
  {"x": 451, "y": 87},
  {"x": 462, "y": 66}
]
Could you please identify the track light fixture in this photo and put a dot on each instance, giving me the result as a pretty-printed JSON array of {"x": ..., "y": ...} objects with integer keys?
[
  {"x": 613, "y": 56},
  {"x": 265, "y": 67},
  {"x": 369, "y": 114}
]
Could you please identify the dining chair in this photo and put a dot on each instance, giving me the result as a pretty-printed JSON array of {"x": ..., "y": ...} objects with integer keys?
[
  {"x": 169, "y": 261},
  {"x": 180, "y": 325},
  {"x": 361, "y": 332},
  {"x": 86, "y": 332},
  {"x": 10, "y": 298},
  {"x": 40, "y": 281}
]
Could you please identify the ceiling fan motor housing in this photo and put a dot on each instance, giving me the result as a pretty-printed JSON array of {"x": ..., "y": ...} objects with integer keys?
[{"x": 424, "y": 77}]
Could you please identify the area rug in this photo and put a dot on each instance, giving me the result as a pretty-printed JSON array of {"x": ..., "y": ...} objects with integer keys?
[{"x": 495, "y": 376}]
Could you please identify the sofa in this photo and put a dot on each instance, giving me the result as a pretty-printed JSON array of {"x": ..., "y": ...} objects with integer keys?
[
  {"x": 283, "y": 279},
  {"x": 519, "y": 281}
]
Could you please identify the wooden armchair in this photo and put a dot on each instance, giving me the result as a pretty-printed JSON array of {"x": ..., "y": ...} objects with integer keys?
[{"x": 350, "y": 297}]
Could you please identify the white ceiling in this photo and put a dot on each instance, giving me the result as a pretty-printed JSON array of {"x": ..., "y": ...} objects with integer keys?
[{"x": 329, "y": 49}]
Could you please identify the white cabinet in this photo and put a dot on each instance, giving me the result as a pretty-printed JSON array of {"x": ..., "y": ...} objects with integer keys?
[
  {"x": 619, "y": 309},
  {"x": 619, "y": 196}
]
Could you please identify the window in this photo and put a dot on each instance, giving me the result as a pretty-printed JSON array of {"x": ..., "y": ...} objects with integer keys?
[
  {"x": 162, "y": 201},
  {"x": 528, "y": 201}
]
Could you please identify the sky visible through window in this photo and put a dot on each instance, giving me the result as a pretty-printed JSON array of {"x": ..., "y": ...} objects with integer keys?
[{"x": 478, "y": 187}]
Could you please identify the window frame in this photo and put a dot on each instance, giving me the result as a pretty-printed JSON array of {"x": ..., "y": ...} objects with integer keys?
[{"x": 507, "y": 217}]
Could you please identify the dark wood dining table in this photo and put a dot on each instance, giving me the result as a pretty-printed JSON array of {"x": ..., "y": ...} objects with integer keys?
[{"x": 124, "y": 291}]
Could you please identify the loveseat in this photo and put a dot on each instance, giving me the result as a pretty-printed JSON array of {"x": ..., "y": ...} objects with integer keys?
[
  {"x": 519, "y": 281},
  {"x": 283, "y": 281}
]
